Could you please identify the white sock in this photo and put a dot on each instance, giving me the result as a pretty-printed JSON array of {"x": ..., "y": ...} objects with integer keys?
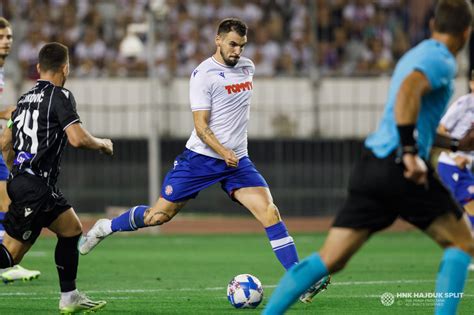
[{"x": 66, "y": 296}]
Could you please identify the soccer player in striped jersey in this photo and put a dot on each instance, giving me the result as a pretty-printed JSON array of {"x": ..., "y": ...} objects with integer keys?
[
  {"x": 44, "y": 122},
  {"x": 220, "y": 91},
  {"x": 454, "y": 168},
  {"x": 393, "y": 178},
  {"x": 17, "y": 272}
]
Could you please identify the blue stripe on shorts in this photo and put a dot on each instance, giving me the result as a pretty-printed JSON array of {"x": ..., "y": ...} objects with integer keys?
[{"x": 193, "y": 172}]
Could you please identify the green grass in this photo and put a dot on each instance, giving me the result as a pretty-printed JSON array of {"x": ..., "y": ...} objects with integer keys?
[{"x": 189, "y": 274}]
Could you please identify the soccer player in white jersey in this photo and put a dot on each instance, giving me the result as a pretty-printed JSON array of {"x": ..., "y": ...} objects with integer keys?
[
  {"x": 454, "y": 168},
  {"x": 17, "y": 272},
  {"x": 220, "y": 91}
]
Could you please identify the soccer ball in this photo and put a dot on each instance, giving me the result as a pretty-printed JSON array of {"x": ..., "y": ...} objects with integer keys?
[{"x": 245, "y": 291}]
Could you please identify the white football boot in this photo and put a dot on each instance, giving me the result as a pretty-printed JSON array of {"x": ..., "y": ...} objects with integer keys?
[
  {"x": 100, "y": 230},
  {"x": 319, "y": 286},
  {"x": 18, "y": 273},
  {"x": 78, "y": 302}
]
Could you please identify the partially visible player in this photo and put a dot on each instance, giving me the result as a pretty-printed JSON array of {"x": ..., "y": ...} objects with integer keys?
[
  {"x": 454, "y": 168},
  {"x": 220, "y": 91},
  {"x": 44, "y": 121},
  {"x": 392, "y": 178},
  {"x": 17, "y": 272}
]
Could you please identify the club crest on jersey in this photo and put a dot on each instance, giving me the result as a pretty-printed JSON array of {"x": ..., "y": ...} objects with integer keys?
[
  {"x": 168, "y": 190},
  {"x": 222, "y": 74},
  {"x": 26, "y": 235},
  {"x": 239, "y": 87}
]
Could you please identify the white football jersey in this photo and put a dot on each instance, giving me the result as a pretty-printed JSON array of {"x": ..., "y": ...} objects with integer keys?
[
  {"x": 226, "y": 92},
  {"x": 458, "y": 120}
]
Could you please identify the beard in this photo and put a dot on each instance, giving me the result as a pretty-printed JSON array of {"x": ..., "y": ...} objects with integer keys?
[{"x": 229, "y": 62}]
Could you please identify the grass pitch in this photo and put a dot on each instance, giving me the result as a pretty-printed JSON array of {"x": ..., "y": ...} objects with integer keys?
[{"x": 186, "y": 274}]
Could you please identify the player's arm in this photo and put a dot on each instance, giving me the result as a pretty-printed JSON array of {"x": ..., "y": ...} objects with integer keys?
[
  {"x": 80, "y": 138},
  {"x": 407, "y": 107},
  {"x": 6, "y": 114},
  {"x": 445, "y": 141},
  {"x": 7, "y": 147},
  {"x": 201, "y": 124},
  {"x": 443, "y": 138}
]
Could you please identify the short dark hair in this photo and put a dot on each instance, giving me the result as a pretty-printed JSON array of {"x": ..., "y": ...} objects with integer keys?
[
  {"x": 4, "y": 23},
  {"x": 53, "y": 56},
  {"x": 232, "y": 24},
  {"x": 452, "y": 16}
]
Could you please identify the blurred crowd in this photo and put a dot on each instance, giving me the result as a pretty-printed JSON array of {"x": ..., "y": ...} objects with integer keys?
[{"x": 286, "y": 37}]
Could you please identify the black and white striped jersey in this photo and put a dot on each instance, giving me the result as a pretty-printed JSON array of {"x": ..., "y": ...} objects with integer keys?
[{"x": 38, "y": 132}]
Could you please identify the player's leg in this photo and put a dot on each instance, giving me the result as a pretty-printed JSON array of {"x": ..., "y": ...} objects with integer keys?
[
  {"x": 453, "y": 234},
  {"x": 191, "y": 173},
  {"x": 17, "y": 272},
  {"x": 469, "y": 207},
  {"x": 11, "y": 253},
  {"x": 14, "y": 251},
  {"x": 4, "y": 199},
  {"x": 340, "y": 245},
  {"x": 259, "y": 201},
  {"x": 131, "y": 220},
  {"x": 68, "y": 229}
]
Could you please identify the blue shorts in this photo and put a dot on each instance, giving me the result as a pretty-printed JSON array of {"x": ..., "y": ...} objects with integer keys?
[
  {"x": 4, "y": 172},
  {"x": 459, "y": 181},
  {"x": 192, "y": 172}
]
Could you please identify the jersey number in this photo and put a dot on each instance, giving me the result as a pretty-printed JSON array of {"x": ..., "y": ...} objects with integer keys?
[{"x": 24, "y": 123}]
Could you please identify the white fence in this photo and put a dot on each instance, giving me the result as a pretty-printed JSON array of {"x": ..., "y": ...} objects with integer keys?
[{"x": 287, "y": 107}]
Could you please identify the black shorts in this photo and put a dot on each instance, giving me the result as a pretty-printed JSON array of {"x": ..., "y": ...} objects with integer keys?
[
  {"x": 379, "y": 194},
  {"x": 34, "y": 205}
]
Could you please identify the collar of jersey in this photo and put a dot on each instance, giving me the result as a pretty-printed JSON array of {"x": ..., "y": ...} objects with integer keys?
[
  {"x": 220, "y": 64},
  {"x": 45, "y": 81}
]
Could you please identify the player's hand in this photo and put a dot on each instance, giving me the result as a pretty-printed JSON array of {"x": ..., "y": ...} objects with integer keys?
[
  {"x": 461, "y": 161},
  {"x": 415, "y": 169},
  {"x": 108, "y": 147},
  {"x": 230, "y": 158}
]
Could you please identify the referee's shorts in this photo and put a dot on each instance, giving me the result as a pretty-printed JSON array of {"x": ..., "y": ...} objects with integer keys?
[{"x": 379, "y": 194}]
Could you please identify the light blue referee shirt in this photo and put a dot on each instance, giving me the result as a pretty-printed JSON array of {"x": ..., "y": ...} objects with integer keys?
[{"x": 436, "y": 62}]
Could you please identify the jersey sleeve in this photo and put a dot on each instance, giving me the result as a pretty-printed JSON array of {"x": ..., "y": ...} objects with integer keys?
[
  {"x": 454, "y": 114},
  {"x": 65, "y": 109},
  {"x": 438, "y": 69},
  {"x": 199, "y": 91}
]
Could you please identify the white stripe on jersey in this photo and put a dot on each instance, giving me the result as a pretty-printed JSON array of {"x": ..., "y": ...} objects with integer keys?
[{"x": 226, "y": 92}]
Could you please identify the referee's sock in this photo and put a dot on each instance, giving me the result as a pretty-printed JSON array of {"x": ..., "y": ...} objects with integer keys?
[
  {"x": 282, "y": 244},
  {"x": 130, "y": 220},
  {"x": 452, "y": 275},
  {"x": 296, "y": 281}
]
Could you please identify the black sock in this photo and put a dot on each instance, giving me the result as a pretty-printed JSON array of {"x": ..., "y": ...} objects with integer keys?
[
  {"x": 67, "y": 259},
  {"x": 6, "y": 259}
]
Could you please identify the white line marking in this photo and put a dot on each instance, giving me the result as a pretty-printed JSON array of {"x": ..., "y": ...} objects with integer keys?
[
  {"x": 139, "y": 291},
  {"x": 36, "y": 254}
]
